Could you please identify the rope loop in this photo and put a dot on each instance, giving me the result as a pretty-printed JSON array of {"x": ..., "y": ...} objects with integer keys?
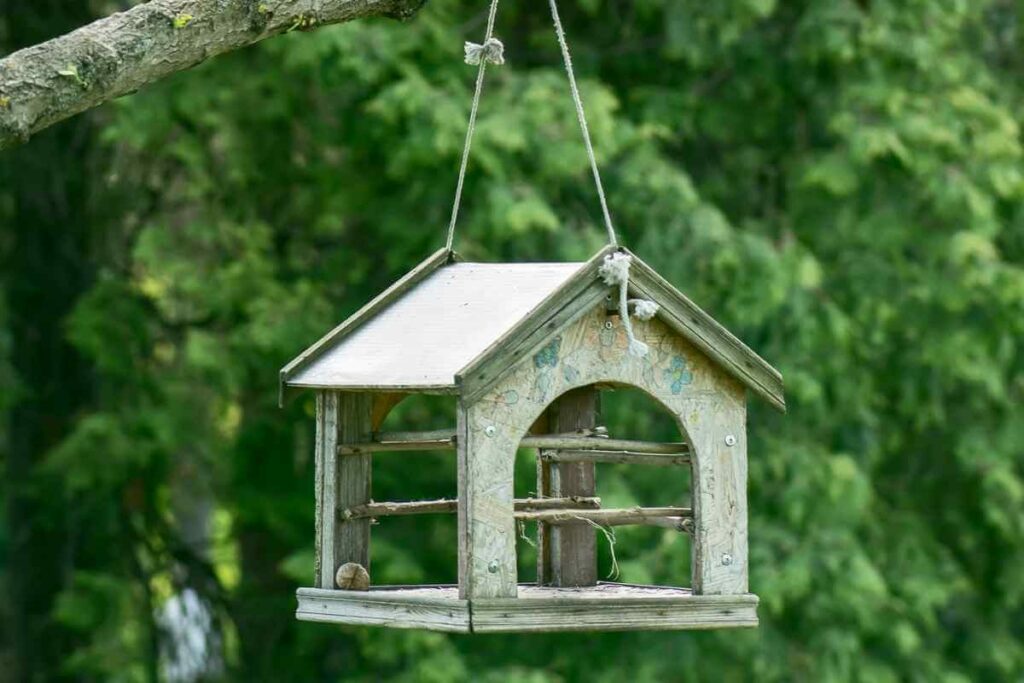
[{"x": 492, "y": 51}]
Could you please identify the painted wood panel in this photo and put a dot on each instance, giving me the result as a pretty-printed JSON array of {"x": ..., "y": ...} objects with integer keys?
[{"x": 708, "y": 403}]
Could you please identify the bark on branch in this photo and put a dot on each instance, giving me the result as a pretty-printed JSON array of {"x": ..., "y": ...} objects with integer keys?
[{"x": 115, "y": 56}]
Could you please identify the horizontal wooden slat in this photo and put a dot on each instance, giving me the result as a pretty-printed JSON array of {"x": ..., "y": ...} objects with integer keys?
[
  {"x": 605, "y": 607},
  {"x": 590, "y": 443},
  {"x": 662, "y": 516},
  {"x": 444, "y": 439},
  {"x": 434, "y": 440},
  {"x": 626, "y": 457},
  {"x": 446, "y": 505}
]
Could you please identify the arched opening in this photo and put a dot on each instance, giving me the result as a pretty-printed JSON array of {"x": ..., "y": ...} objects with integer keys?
[{"x": 653, "y": 550}]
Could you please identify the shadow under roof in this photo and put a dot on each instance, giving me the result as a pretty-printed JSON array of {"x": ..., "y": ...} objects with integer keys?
[{"x": 426, "y": 336}]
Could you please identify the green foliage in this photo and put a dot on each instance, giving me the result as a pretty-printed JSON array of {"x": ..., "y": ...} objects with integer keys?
[{"x": 839, "y": 182}]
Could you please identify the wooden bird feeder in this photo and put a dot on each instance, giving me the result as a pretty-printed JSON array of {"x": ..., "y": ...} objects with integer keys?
[{"x": 525, "y": 348}]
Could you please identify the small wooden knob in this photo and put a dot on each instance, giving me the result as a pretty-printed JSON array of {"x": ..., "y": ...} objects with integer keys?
[{"x": 352, "y": 576}]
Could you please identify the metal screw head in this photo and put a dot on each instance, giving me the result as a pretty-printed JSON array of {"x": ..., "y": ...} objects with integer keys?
[
  {"x": 490, "y": 430},
  {"x": 726, "y": 559},
  {"x": 730, "y": 440},
  {"x": 493, "y": 567}
]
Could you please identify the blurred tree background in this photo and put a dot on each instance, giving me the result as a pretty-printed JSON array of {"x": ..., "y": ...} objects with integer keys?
[{"x": 840, "y": 182}]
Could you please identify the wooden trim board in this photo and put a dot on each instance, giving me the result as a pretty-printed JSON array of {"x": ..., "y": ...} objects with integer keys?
[{"x": 604, "y": 607}]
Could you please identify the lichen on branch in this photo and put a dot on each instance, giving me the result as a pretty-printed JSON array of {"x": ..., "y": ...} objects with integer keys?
[{"x": 124, "y": 52}]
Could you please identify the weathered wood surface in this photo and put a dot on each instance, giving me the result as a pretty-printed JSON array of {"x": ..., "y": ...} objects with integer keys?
[
  {"x": 612, "y": 607},
  {"x": 325, "y": 464},
  {"x": 429, "y": 333},
  {"x": 442, "y": 439},
  {"x": 584, "y": 443},
  {"x": 604, "y": 607},
  {"x": 572, "y": 547},
  {"x": 616, "y": 457},
  {"x": 393, "y": 293},
  {"x": 444, "y": 505},
  {"x": 352, "y": 538},
  {"x": 488, "y": 544},
  {"x": 704, "y": 332},
  {"x": 126, "y": 51},
  {"x": 437, "y": 609},
  {"x": 608, "y": 517},
  {"x": 708, "y": 403}
]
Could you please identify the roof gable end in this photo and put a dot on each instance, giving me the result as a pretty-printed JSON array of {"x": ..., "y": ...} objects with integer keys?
[{"x": 585, "y": 290}]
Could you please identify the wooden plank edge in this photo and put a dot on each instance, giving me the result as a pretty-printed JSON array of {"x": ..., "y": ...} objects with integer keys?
[
  {"x": 439, "y": 258},
  {"x": 706, "y": 333},
  {"x": 541, "y": 615}
]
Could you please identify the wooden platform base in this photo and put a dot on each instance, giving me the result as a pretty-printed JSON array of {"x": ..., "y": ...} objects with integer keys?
[{"x": 605, "y": 607}]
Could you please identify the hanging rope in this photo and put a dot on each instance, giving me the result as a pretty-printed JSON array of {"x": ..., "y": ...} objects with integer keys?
[
  {"x": 615, "y": 269},
  {"x": 490, "y": 51},
  {"x": 581, "y": 115}
]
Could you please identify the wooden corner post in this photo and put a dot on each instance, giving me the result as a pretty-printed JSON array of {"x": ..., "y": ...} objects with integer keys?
[
  {"x": 487, "y": 527},
  {"x": 567, "y": 554},
  {"x": 342, "y": 481},
  {"x": 719, "y": 470}
]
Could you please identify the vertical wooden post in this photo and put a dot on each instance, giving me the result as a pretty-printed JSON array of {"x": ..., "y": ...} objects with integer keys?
[
  {"x": 341, "y": 482},
  {"x": 543, "y": 491},
  {"x": 572, "y": 548},
  {"x": 719, "y": 471},
  {"x": 487, "y": 527}
]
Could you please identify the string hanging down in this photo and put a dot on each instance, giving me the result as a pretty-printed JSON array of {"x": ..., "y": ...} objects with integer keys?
[
  {"x": 615, "y": 269},
  {"x": 491, "y": 51}
]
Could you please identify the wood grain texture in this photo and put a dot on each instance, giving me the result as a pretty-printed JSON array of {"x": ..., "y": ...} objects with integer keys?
[
  {"x": 353, "y": 482},
  {"x": 708, "y": 403},
  {"x": 573, "y": 547},
  {"x": 443, "y": 505},
  {"x": 425, "y": 333},
  {"x": 604, "y": 607},
  {"x": 437, "y": 609},
  {"x": 606, "y": 517},
  {"x": 616, "y": 457},
  {"x": 324, "y": 464},
  {"x": 612, "y": 607},
  {"x": 488, "y": 557}
]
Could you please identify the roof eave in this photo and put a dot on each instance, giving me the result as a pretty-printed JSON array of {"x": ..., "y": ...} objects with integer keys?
[
  {"x": 707, "y": 334},
  {"x": 439, "y": 258}
]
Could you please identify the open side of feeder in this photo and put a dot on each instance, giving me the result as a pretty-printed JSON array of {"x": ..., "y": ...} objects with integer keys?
[{"x": 524, "y": 348}]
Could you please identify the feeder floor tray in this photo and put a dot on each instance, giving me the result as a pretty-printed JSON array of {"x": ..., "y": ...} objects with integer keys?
[{"x": 604, "y": 607}]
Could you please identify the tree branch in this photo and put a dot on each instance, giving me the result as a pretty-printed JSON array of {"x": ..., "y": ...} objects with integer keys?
[{"x": 115, "y": 56}]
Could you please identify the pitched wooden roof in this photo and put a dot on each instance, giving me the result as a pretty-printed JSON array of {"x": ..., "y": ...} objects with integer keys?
[
  {"x": 449, "y": 326},
  {"x": 427, "y": 333}
]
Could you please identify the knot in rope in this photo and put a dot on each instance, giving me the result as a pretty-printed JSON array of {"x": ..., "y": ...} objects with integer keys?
[
  {"x": 492, "y": 52},
  {"x": 615, "y": 272}
]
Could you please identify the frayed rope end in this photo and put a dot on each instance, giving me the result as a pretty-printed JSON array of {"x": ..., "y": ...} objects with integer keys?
[
  {"x": 645, "y": 310},
  {"x": 615, "y": 269},
  {"x": 491, "y": 52}
]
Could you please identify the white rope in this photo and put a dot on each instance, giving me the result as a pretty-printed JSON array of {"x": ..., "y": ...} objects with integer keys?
[
  {"x": 615, "y": 272},
  {"x": 483, "y": 56},
  {"x": 567, "y": 58}
]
